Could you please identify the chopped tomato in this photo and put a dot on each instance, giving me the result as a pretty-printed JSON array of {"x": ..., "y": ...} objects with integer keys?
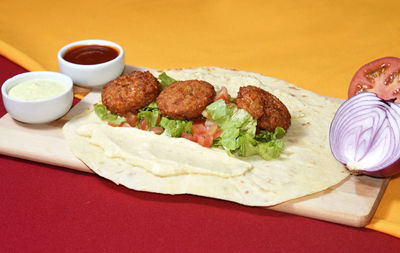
[
  {"x": 205, "y": 140},
  {"x": 381, "y": 76},
  {"x": 198, "y": 128},
  {"x": 142, "y": 124},
  {"x": 211, "y": 127},
  {"x": 206, "y": 115},
  {"x": 203, "y": 132},
  {"x": 187, "y": 136},
  {"x": 131, "y": 119},
  {"x": 115, "y": 125},
  {"x": 223, "y": 94},
  {"x": 158, "y": 118},
  {"x": 157, "y": 130},
  {"x": 198, "y": 121},
  {"x": 218, "y": 133}
]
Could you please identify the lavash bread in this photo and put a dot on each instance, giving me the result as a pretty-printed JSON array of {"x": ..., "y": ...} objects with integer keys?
[{"x": 306, "y": 165}]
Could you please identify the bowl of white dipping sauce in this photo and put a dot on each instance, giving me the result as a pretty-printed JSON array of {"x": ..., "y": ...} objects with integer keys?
[{"x": 38, "y": 97}]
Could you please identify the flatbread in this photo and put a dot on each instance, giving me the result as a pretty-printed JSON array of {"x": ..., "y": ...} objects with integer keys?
[{"x": 306, "y": 165}]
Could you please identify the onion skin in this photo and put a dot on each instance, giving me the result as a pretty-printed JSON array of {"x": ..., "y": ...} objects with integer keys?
[
  {"x": 389, "y": 171},
  {"x": 365, "y": 135}
]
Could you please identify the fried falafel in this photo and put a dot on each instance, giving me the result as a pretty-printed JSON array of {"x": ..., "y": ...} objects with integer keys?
[
  {"x": 130, "y": 92},
  {"x": 267, "y": 109},
  {"x": 185, "y": 100}
]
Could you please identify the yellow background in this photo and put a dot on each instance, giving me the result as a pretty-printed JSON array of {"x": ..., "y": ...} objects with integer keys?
[{"x": 317, "y": 45}]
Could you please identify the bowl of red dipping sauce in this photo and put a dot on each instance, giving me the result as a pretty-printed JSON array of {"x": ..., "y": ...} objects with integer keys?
[{"x": 91, "y": 63}]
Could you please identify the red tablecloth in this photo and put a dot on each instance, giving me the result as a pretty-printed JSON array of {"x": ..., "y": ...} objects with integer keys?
[{"x": 50, "y": 209}]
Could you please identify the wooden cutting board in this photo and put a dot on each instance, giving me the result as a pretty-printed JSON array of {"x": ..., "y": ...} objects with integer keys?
[{"x": 352, "y": 202}]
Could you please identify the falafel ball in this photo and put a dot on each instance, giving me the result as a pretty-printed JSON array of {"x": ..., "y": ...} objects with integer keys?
[
  {"x": 130, "y": 92},
  {"x": 185, "y": 100},
  {"x": 267, "y": 109}
]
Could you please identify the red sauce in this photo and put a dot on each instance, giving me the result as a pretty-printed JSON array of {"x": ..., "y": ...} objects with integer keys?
[{"x": 90, "y": 54}]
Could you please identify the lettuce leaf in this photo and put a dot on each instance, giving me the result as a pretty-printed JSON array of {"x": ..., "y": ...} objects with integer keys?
[
  {"x": 233, "y": 121},
  {"x": 229, "y": 138},
  {"x": 247, "y": 145},
  {"x": 239, "y": 132},
  {"x": 149, "y": 113},
  {"x": 104, "y": 114},
  {"x": 243, "y": 120},
  {"x": 265, "y": 136},
  {"x": 165, "y": 80},
  {"x": 270, "y": 150},
  {"x": 175, "y": 128},
  {"x": 219, "y": 112}
]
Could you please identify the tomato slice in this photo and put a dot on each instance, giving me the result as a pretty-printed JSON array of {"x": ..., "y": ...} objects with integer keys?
[
  {"x": 115, "y": 125},
  {"x": 142, "y": 124},
  {"x": 211, "y": 127},
  {"x": 187, "y": 136},
  {"x": 203, "y": 132},
  {"x": 223, "y": 94},
  {"x": 157, "y": 130},
  {"x": 131, "y": 119},
  {"x": 198, "y": 121},
  {"x": 205, "y": 140},
  {"x": 218, "y": 133},
  {"x": 381, "y": 76},
  {"x": 158, "y": 119},
  {"x": 198, "y": 128}
]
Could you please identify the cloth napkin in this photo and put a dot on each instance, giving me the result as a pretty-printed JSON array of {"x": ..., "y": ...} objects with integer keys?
[{"x": 317, "y": 45}]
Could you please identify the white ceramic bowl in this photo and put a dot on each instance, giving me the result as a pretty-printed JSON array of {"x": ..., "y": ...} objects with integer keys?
[
  {"x": 94, "y": 75},
  {"x": 38, "y": 111}
]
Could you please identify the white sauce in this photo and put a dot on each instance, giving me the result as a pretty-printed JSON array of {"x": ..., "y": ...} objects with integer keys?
[
  {"x": 36, "y": 89},
  {"x": 162, "y": 155}
]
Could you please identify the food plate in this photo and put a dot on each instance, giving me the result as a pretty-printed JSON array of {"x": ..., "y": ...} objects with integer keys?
[{"x": 353, "y": 202}]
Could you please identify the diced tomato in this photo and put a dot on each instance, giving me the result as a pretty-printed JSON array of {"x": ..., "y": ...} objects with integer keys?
[
  {"x": 203, "y": 132},
  {"x": 187, "y": 136},
  {"x": 198, "y": 128},
  {"x": 142, "y": 124},
  {"x": 198, "y": 121},
  {"x": 205, "y": 140},
  {"x": 218, "y": 133},
  {"x": 223, "y": 94},
  {"x": 158, "y": 118},
  {"x": 211, "y": 127},
  {"x": 131, "y": 119},
  {"x": 206, "y": 115},
  {"x": 157, "y": 130},
  {"x": 115, "y": 125}
]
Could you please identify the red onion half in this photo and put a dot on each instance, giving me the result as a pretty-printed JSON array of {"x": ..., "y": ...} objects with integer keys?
[{"x": 365, "y": 135}]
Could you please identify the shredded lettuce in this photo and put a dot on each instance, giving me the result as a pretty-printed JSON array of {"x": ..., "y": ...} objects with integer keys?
[
  {"x": 175, "y": 128},
  {"x": 219, "y": 112},
  {"x": 266, "y": 136},
  {"x": 149, "y": 113},
  {"x": 233, "y": 121},
  {"x": 270, "y": 150},
  {"x": 101, "y": 111},
  {"x": 165, "y": 80},
  {"x": 239, "y": 132},
  {"x": 104, "y": 114},
  {"x": 152, "y": 106},
  {"x": 247, "y": 145}
]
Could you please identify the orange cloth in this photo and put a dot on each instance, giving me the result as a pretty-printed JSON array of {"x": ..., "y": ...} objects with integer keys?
[
  {"x": 317, "y": 45},
  {"x": 18, "y": 57}
]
